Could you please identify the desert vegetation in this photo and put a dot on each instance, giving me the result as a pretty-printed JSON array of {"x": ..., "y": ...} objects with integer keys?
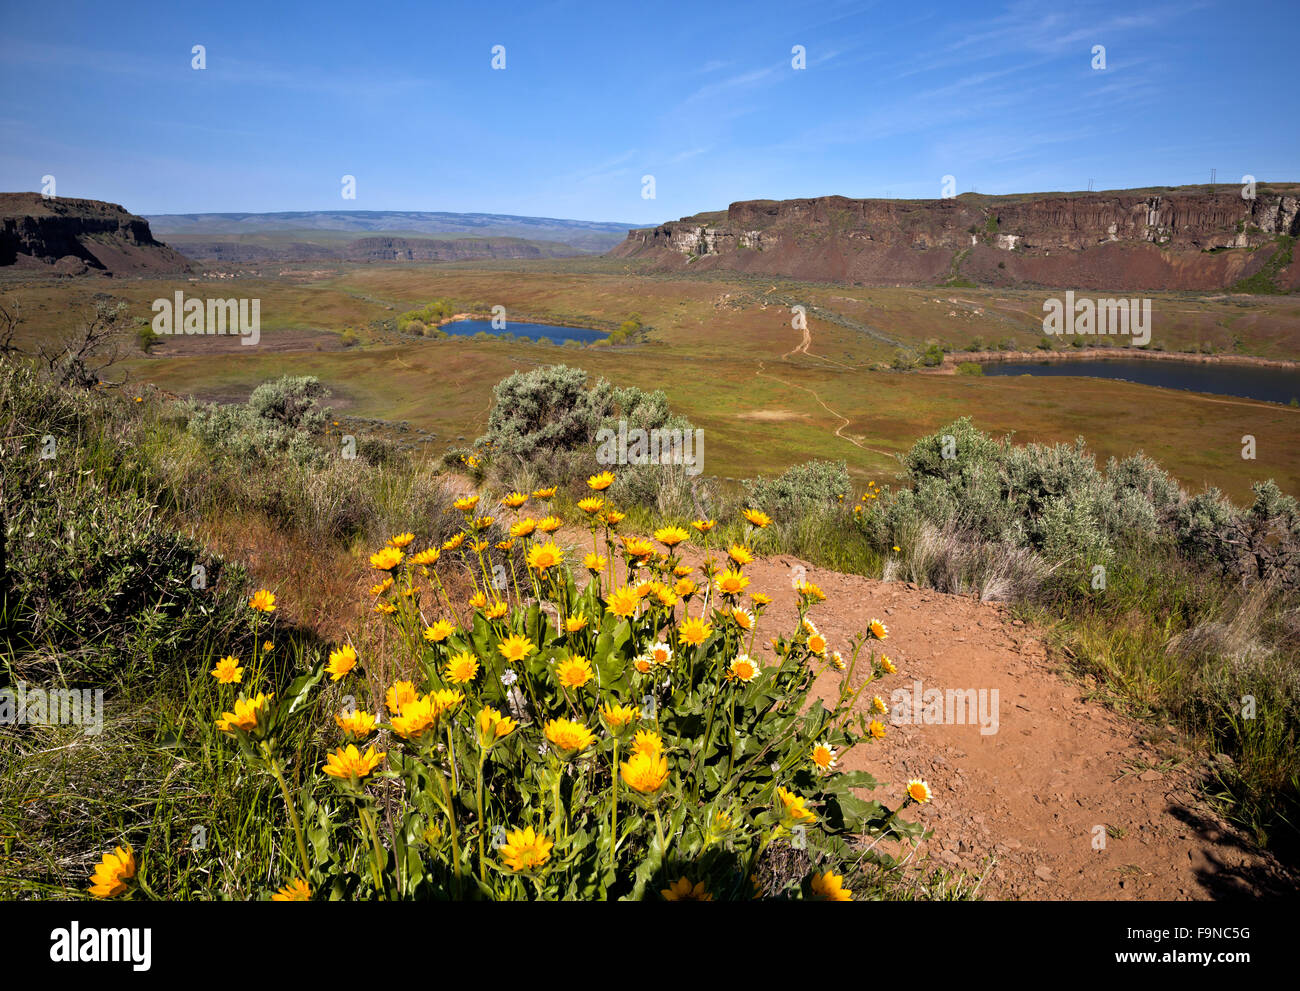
[{"x": 499, "y": 713}]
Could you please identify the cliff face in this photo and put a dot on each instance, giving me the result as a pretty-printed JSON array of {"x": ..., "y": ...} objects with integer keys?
[
  {"x": 1096, "y": 240},
  {"x": 71, "y": 237}
]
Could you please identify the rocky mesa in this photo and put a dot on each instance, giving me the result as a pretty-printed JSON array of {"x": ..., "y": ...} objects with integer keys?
[
  {"x": 58, "y": 236},
  {"x": 1179, "y": 238}
]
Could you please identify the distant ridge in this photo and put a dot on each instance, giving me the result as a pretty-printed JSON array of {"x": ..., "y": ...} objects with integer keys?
[{"x": 584, "y": 236}]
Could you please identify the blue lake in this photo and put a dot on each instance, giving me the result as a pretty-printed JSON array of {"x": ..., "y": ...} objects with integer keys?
[
  {"x": 532, "y": 331},
  {"x": 1277, "y": 385}
]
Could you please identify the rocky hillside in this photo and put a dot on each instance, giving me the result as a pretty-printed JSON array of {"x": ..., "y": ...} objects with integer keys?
[
  {"x": 1184, "y": 238},
  {"x": 72, "y": 237}
]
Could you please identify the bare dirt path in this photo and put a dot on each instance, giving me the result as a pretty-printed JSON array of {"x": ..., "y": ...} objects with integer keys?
[{"x": 1066, "y": 800}]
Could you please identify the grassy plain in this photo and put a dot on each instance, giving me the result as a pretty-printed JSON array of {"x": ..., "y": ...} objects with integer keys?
[{"x": 724, "y": 351}]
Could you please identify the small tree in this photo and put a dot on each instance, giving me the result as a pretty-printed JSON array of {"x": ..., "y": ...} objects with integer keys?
[{"x": 81, "y": 357}]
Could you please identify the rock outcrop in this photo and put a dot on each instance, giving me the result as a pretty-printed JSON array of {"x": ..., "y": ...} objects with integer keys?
[
  {"x": 72, "y": 237},
  {"x": 1177, "y": 239}
]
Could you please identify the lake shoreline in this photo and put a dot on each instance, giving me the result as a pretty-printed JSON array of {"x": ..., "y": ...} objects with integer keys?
[{"x": 953, "y": 358}]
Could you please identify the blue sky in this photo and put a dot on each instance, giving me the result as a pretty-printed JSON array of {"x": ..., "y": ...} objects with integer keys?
[{"x": 594, "y": 96}]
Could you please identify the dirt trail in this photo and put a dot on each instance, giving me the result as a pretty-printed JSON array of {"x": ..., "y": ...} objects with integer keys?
[{"x": 1021, "y": 805}]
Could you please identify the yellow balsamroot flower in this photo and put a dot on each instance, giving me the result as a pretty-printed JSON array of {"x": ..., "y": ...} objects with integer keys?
[
  {"x": 446, "y": 699},
  {"x": 492, "y": 726},
  {"x": 837, "y": 660},
  {"x": 228, "y": 671},
  {"x": 515, "y": 648},
  {"x": 897, "y": 549},
  {"x": 112, "y": 872},
  {"x": 466, "y": 504},
  {"x": 740, "y": 554},
  {"x": 743, "y": 668},
  {"x": 704, "y": 526},
  {"x": 645, "y": 773},
  {"x": 684, "y": 587},
  {"x": 671, "y": 536},
  {"x": 637, "y": 547},
  {"x": 550, "y": 524},
  {"x": 661, "y": 653},
  {"x": 401, "y": 540},
  {"x": 262, "y": 601},
  {"x": 649, "y": 743},
  {"x": 878, "y": 705},
  {"x": 525, "y": 850},
  {"x": 807, "y": 625},
  {"x": 356, "y": 723},
  {"x": 249, "y": 715},
  {"x": 496, "y": 610},
  {"x": 793, "y": 808},
  {"x": 918, "y": 791},
  {"x": 439, "y": 631},
  {"x": 544, "y": 493},
  {"x": 663, "y": 595},
  {"x": 575, "y": 623},
  {"x": 642, "y": 663},
  {"x": 483, "y": 522},
  {"x": 386, "y": 608},
  {"x": 386, "y": 559},
  {"x": 574, "y": 672},
  {"x": 569, "y": 737},
  {"x": 543, "y": 557},
  {"x": 399, "y": 694},
  {"x": 382, "y": 586},
  {"x": 462, "y": 669},
  {"x": 758, "y": 519},
  {"x": 682, "y": 890},
  {"x": 595, "y": 562},
  {"x": 478, "y": 600},
  {"x": 623, "y": 601},
  {"x": 878, "y": 629},
  {"x": 817, "y": 644},
  {"x": 452, "y": 543},
  {"x": 829, "y": 887},
  {"x": 505, "y": 545},
  {"x": 695, "y": 631},
  {"x": 887, "y": 665},
  {"x": 348, "y": 763},
  {"x": 478, "y": 546},
  {"x": 809, "y": 591},
  {"x": 426, "y": 557},
  {"x": 513, "y": 500},
  {"x": 877, "y": 729},
  {"x": 742, "y": 618},
  {"x": 417, "y": 718},
  {"x": 612, "y": 517},
  {"x": 823, "y": 756},
  {"x": 759, "y": 599},
  {"x": 341, "y": 661},
  {"x": 295, "y": 891},
  {"x": 267, "y": 646},
  {"x": 591, "y": 505},
  {"x": 602, "y": 481},
  {"x": 618, "y": 717},
  {"x": 682, "y": 570},
  {"x": 731, "y": 582}
]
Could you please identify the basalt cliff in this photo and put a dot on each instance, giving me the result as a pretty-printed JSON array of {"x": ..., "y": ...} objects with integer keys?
[
  {"x": 59, "y": 236},
  {"x": 1181, "y": 238}
]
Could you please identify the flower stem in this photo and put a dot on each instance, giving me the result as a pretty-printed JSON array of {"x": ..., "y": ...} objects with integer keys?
[{"x": 293, "y": 813}]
